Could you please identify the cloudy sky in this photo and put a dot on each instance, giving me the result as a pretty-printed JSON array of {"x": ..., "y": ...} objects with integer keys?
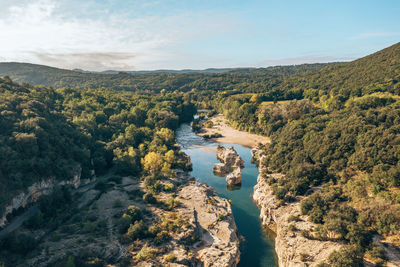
[{"x": 178, "y": 34}]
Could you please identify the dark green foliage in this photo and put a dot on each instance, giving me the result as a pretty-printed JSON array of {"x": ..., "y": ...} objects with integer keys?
[
  {"x": 245, "y": 79},
  {"x": 136, "y": 230},
  {"x": 149, "y": 198},
  {"x": 18, "y": 243},
  {"x": 346, "y": 256},
  {"x": 46, "y": 133},
  {"x": 36, "y": 140}
]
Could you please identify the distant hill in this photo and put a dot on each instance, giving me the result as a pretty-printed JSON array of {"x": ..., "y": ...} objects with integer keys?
[
  {"x": 148, "y": 80},
  {"x": 377, "y": 72}
]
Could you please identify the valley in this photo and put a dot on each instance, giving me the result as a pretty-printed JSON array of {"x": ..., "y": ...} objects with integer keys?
[{"x": 116, "y": 169}]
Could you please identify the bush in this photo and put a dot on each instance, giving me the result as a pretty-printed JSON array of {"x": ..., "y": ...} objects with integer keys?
[
  {"x": 135, "y": 212},
  {"x": 377, "y": 252},
  {"x": 149, "y": 198},
  {"x": 292, "y": 227},
  {"x": 346, "y": 256},
  {"x": 136, "y": 230},
  {"x": 208, "y": 124},
  {"x": 170, "y": 257},
  {"x": 293, "y": 218}
]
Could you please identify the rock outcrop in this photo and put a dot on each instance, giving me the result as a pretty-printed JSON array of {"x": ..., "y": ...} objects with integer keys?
[
  {"x": 234, "y": 177},
  {"x": 220, "y": 169},
  {"x": 33, "y": 192},
  {"x": 292, "y": 248},
  {"x": 231, "y": 164},
  {"x": 218, "y": 243},
  {"x": 229, "y": 157}
]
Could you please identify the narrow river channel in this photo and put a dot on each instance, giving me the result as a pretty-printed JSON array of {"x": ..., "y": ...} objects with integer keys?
[{"x": 258, "y": 247}]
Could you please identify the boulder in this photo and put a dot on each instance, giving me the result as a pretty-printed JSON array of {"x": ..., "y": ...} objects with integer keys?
[
  {"x": 220, "y": 169},
  {"x": 229, "y": 157},
  {"x": 234, "y": 177}
]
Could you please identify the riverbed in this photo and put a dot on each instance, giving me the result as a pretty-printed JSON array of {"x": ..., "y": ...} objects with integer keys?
[{"x": 257, "y": 249}]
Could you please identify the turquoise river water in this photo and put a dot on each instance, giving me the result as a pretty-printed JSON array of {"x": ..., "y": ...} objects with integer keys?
[{"x": 257, "y": 249}]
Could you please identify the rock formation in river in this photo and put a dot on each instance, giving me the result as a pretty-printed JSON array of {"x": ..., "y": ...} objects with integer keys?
[
  {"x": 292, "y": 248},
  {"x": 234, "y": 177},
  {"x": 230, "y": 163},
  {"x": 229, "y": 157},
  {"x": 220, "y": 169}
]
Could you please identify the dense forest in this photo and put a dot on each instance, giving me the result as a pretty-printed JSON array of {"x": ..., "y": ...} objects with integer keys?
[
  {"x": 331, "y": 125},
  {"x": 343, "y": 134},
  {"x": 257, "y": 80},
  {"x": 47, "y": 133}
]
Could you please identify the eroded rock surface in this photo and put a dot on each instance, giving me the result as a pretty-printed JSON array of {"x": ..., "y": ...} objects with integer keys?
[
  {"x": 220, "y": 169},
  {"x": 229, "y": 157},
  {"x": 292, "y": 248},
  {"x": 231, "y": 164},
  {"x": 234, "y": 177},
  {"x": 33, "y": 192}
]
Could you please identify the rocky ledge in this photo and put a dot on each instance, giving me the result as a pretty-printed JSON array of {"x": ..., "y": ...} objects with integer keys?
[
  {"x": 218, "y": 243},
  {"x": 231, "y": 164},
  {"x": 286, "y": 221},
  {"x": 33, "y": 192}
]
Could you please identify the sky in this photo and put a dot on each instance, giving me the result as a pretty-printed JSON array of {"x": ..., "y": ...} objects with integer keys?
[{"x": 125, "y": 35}]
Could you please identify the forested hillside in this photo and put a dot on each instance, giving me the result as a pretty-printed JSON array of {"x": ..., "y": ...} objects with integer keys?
[
  {"x": 336, "y": 126},
  {"x": 344, "y": 134},
  {"x": 243, "y": 79},
  {"x": 51, "y": 134}
]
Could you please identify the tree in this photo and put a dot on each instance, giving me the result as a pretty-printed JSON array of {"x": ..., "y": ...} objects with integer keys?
[{"x": 153, "y": 163}]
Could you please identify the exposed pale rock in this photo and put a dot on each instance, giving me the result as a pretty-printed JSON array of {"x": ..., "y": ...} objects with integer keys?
[
  {"x": 220, "y": 169},
  {"x": 230, "y": 160},
  {"x": 34, "y": 191},
  {"x": 218, "y": 239},
  {"x": 229, "y": 157},
  {"x": 290, "y": 246},
  {"x": 234, "y": 177}
]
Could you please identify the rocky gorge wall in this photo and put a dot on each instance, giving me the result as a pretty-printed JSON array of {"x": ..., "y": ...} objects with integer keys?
[
  {"x": 292, "y": 248},
  {"x": 33, "y": 192}
]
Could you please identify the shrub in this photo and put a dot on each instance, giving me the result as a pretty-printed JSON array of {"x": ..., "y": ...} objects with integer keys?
[
  {"x": 292, "y": 227},
  {"x": 135, "y": 212},
  {"x": 124, "y": 223},
  {"x": 146, "y": 253},
  {"x": 346, "y": 256},
  {"x": 136, "y": 230},
  {"x": 149, "y": 198},
  {"x": 170, "y": 257},
  {"x": 293, "y": 218},
  {"x": 208, "y": 124},
  {"x": 377, "y": 252}
]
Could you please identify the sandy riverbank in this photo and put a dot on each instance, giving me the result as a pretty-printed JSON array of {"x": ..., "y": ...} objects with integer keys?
[{"x": 231, "y": 135}]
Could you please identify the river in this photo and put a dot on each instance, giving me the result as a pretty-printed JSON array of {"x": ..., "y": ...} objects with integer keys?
[{"x": 258, "y": 247}]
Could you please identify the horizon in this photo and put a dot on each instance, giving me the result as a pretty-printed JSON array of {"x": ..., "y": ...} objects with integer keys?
[{"x": 105, "y": 35}]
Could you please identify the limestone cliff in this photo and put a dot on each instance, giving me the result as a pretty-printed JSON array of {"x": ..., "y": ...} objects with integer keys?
[
  {"x": 292, "y": 248},
  {"x": 33, "y": 192}
]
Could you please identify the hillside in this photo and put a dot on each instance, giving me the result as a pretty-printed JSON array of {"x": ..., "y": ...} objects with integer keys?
[
  {"x": 376, "y": 72},
  {"x": 334, "y": 155},
  {"x": 211, "y": 79}
]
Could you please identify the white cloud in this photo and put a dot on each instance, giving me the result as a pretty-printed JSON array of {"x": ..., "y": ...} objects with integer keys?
[{"x": 39, "y": 32}]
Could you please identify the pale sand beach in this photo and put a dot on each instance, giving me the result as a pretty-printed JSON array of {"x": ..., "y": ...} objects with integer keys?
[
  {"x": 231, "y": 135},
  {"x": 208, "y": 149}
]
